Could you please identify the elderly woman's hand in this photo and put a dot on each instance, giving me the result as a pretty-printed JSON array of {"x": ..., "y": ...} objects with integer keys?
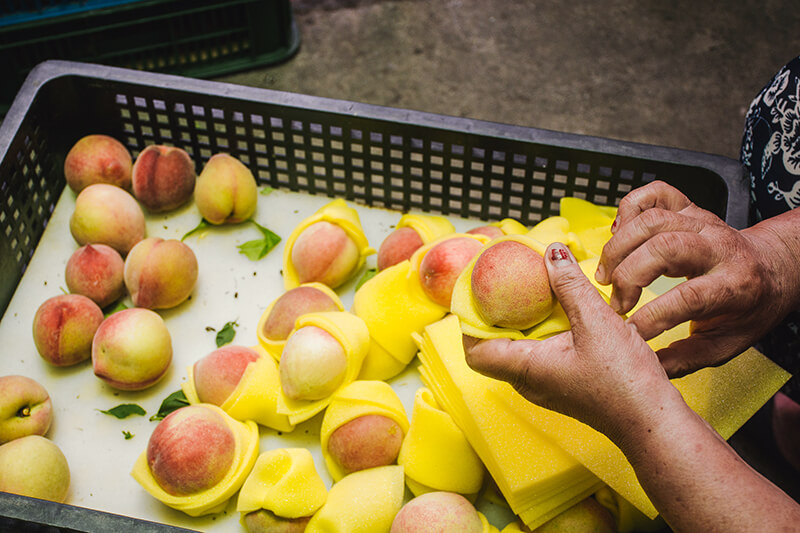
[{"x": 740, "y": 283}]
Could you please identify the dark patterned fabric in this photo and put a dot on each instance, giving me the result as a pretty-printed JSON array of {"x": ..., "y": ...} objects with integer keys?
[{"x": 771, "y": 154}]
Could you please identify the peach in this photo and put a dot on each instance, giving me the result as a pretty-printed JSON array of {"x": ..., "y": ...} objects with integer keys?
[
  {"x": 105, "y": 214},
  {"x": 191, "y": 450},
  {"x": 98, "y": 159},
  {"x": 586, "y": 515},
  {"x": 63, "y": 328},
  {"x": 132, "y": 349},
  {"x": 264, "y": 521},
  {"x": 163, "y": 177},
  {"x": 226, "y": 191},
  {"x": 312, "y": 365},
  {"x": 398, "y": 246},
  {"x": 323, "y": 252},
  {"x": 25, "y": 408},
  {"x": 366, "y": 442},
  {"x": 490, "y": 231},
  {"x": 437, "y": 511},
  {"x": 160, "y": 274},
  {"x": 510, "y": 286},
  {"x": 292, "y": 304},
  {"x": 442, "y": 265},
  {"x": 95, "y": 271},
  {"x": 217, "y": 374},
  {"x": 36, "y": 467}
]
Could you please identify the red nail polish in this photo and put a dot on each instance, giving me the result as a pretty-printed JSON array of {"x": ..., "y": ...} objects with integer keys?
[{"x": 560, "y": 256}]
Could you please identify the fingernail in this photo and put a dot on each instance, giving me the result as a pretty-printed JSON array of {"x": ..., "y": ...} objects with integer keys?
[
  {"x": 560, "y": 255},
  {"x": 615, "y": 224}
]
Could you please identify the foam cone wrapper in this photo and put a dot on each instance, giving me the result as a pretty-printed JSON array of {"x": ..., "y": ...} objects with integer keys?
[
  {"x": 436, "y": 454},
  {"x": 352, "y": 333},
  {"x": 359, "y": 398},
  {"x": 428, "y": 227},
  {"x": 275, "y": 346},
  {"x": 285, "y": 482},
  {"x": 255, "y": 396},
  {"x": 336, "y": 212},
  {"x": 213, "y": 499},
  {"x": 362, "y": 502},
  {"x": 510, "y": 226},
  {"x": 394, "y": 306}
]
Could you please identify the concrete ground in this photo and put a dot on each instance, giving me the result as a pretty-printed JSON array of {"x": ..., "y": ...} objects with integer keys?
[{"x": 678, "y": 73}]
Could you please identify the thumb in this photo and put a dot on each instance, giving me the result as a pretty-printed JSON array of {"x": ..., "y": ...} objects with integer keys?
[{"x": 580, "y": 299}]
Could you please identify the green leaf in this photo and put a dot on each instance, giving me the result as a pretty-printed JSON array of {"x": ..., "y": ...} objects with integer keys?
[
  {"x": 227, "y": 333},
  {"x": 124, "y": 410},
  {"x": 173, "y": 402},
  {"x": 127, "y": 434},
  {"x": 368, "y": 275},
  {"x": 204, "y": 224},
  {"x": 119, "y": 307},
  {"x": 258, "y": 248},
  {"x": 266, "y": 190}
]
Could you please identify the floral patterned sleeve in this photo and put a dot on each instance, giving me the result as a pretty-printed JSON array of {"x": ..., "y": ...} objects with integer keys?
[{"x": 771, "y": 156}]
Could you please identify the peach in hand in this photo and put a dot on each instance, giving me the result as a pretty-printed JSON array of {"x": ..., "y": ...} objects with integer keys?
[
  {"x": 95, "y": 271},
  {"x": 34, "y": 466},
  {"x": 398, "y": 246},
  {"x": 510, "y": 286},
  {"x": 105, "y": 214},
  {"x": 25, "y": 408},
  {"x": 226, "y": 191},
  {"x": 217, "y": 374},
  {"x": 437, "y": 511},
  {"x": 97, "y": 159},
  {"x": 313, "y": 364},
  {"x": 132, "y": 349},
  {"x": 443, "y": 263},
  {"x": 63, "y": 328},
  {"x": 366, "y": 442},
  {"x": 325, "y": 253},
  {"x": 163, "y": 177},
  {"x": 160, "y": 274},
  {"x": 292, "y": 304},
  {"x": 191, "y": 450}
]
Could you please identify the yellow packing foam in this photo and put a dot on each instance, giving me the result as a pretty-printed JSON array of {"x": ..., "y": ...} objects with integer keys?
[
  {"x": 285, "y": 482},
  {"x": 510, "y": 226},
  {"x": 255, "y": 396},
  {"x": 362, "y": 502},
  {"x": 429, "y": 227},
  {"x": 351, "y": 332},
  {"x": 589, "y": 222},
  {"x": 336, "y": 212},
  {"x": 214, "y": 499},
  {"x": 360, "y": 398},
  {"x": 436, "y": 454}
]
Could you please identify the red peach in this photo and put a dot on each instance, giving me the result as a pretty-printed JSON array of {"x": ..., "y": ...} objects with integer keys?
[
  {"x": 105, "y": 214},
  {"x": 264, "y": 521},
  {"x": 398, "y": 246},
  {"x": 510, "y": 286},
  {"x": 490, "y": 231},
  {"x": 95, "y": 271},
  {"x": 163, "y": 177},
  {"x": 442, "y": 265},
  {"x": 97, "y": 159},
  {"x": 366, "y": 442},
  {"x": 25, "y": 408},
  {"x": 226, "y": 190},
  {"x": 191, "y": 450},
  {"x": 312, "y": 364},
  {"x": 437, "y": 512},
  {"x": 160, "y": 274},
  {"x": 132, "y": 349},
  {"x": 217, "y": 374},
  {"x": 323, "y": 252},
  {"x": 291, "y": 305},
  {"x": 63, "y": 328}
]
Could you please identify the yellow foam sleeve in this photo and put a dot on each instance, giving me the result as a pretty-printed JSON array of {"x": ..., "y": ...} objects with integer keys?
[
  {"x": 589, "y": 222},
  {"x": 556, "y": 229},
  {"x": 336, "y": 212},
  {"x": 429, "y": 227},
  {"x": 485, "y": 525},
  {"x": 436, "y": 454},
  {"x": 285, "y": 482},
  {"x": 255, "y": 396},
  {"x": 510, "y": 226},
  {"x": 362, "y": 502},
  {"x": 214, "y": 499},
  {"x": 627, "y": 517},
  {"x": 352, "y": 333},
  {"x": 359, "y": 398},
  {"x": 394, "y": 305},
  {"x": 513, "y": 527},
  {"x": 275, "y": 346}
]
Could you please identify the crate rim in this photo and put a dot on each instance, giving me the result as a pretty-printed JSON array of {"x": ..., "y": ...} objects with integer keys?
[{"x": 730, "y": 169}]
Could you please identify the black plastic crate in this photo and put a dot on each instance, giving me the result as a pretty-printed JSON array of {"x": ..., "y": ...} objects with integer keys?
[{"x": 195, "y": 38}]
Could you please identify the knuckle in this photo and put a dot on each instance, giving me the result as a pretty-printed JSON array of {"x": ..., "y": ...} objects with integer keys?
[{"x": 693, "y": 301}]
